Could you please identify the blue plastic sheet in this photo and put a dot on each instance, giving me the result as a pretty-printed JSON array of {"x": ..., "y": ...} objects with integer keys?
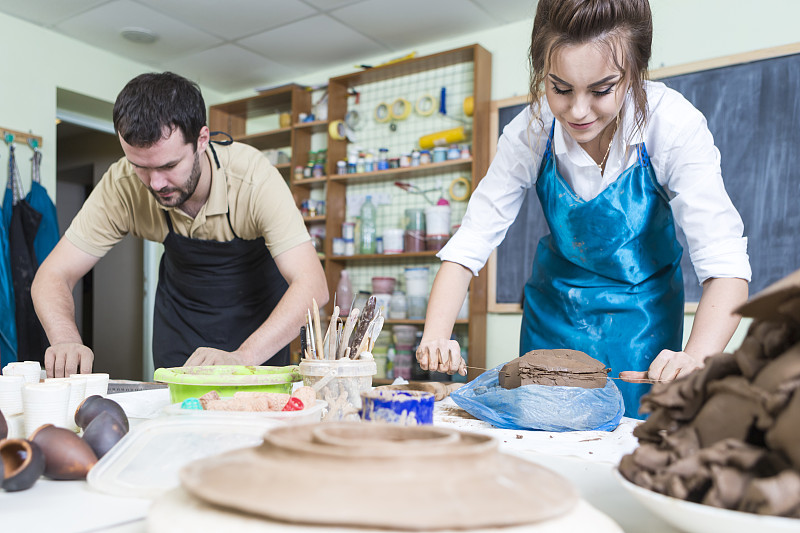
[{"x": 546, "y": 408}]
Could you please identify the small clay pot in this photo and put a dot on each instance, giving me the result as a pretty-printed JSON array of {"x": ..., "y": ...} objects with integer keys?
[
  {"x": 66, "y": 455},
  {"x": 93, "y": 406},
  {"x": 3, "y": 426},
  {"x": 103, "y": 433},
  {"x": 23, "y": 463}
]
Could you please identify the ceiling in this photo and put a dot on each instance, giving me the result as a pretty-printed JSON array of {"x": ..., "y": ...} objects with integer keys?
[{"x": 235, "y": 45}]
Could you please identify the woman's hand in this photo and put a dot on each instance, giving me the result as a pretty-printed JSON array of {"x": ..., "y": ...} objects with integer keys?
[
  {"x": 667, "y": 366},
  {"x": 441, "y": 355}
]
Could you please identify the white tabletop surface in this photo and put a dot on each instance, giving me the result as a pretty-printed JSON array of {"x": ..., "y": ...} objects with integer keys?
[{"x": 586, "y": 458}]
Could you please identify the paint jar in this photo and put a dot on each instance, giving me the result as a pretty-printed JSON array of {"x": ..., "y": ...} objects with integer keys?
[
  {"x": 415, "y": 158},
  {"x": 437, "y": 222},
  {"x": 398, "y": 407},
  {"x": 439, "y": 154},
  {"x": 383, "y": 284},
  {"x": 401, "y": 366},
  {"x": 393, "y": 241},
  {"x": 394, "y": 162},
  {"x": 404, "y": 335},
  {"x": 383, "y": 158},
  {"x": 414, "y": 237},
  {"x": 341, "y": 167},
  {"x": 349, "y": 247},
  {"x": 398, "y": 307},
  {"x": 339, "y": 382},
  {"x": 338, "y": 246},
  {"x": 424, "y": 157},
  {"x": 349, "y": 231},
  {"x": 417, "y": 306},
  {"x": 405, "y": 160},
  {"x": 453, "y": 152}
]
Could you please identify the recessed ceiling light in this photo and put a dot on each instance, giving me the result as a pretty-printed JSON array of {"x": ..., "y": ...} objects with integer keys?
[{"x": 138, "y": 35}]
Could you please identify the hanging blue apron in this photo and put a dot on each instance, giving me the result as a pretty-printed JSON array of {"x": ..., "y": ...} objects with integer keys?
[
  {"x": 48, "y": 234},
  {"x": 607, "y": 279}
]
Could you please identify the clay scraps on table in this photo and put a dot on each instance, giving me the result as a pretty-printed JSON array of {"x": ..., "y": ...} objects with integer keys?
[
  {"x": 728, "y": 435},
  {"x": 568, "y": 368}
]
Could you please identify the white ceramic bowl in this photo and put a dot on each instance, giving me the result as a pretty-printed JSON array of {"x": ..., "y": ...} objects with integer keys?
[{"x": 698, "y": 518}]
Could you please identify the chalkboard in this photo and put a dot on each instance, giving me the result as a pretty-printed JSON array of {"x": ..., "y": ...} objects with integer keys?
[{"x": 754, "y": 114}]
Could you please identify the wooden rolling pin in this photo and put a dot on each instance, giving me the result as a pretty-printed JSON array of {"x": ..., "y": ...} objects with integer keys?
[{"x": 440, "y": 390}]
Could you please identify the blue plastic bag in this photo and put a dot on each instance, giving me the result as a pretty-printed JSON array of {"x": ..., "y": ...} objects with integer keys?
[{"x": 542, "y": 407}]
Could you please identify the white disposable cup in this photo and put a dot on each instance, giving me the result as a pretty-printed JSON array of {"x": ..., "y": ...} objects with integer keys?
[
  {"x": 437, "y": 220},
  {"x": 11, "y": 394},
  {"x": 30, "y": 370},
  {"x": 416, "y": 281},
  {"x": 45, "y": 403},
  {"x": 393, "y": 240},
  {"x": 96, "y": 383},
  {"x": 77, "y": 393}
]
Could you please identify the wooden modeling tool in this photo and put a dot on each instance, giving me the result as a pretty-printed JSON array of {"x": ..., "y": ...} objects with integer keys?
[{"x": 318, "y": 330}]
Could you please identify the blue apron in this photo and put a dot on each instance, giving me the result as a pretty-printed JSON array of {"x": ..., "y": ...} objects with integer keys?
[{"x": 607, "y": 279}]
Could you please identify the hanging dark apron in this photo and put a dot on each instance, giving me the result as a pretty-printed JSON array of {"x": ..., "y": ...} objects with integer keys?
[
  {"x": 8, "y": 326},
  {"x": 31, "y": 339},
  {"x": 213, "y": 294},
  {"x": 607, "y": 279}
]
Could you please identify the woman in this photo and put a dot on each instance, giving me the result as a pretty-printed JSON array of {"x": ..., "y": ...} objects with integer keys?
[{"x": 615, "y": 160}]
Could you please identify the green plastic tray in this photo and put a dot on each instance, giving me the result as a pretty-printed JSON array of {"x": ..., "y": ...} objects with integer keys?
[{"x": 194, "y": 381}]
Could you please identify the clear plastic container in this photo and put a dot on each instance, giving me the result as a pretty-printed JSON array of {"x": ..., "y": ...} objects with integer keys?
[
  {"x": 369, "y": 214},
  {"x": 340, "y": 383}
]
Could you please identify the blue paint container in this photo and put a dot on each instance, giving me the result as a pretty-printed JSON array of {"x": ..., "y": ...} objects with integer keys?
[{"x": 404, "y": 408}]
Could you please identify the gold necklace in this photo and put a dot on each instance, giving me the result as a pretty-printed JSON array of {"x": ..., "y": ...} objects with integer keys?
[{"x": 608, "y": 150}]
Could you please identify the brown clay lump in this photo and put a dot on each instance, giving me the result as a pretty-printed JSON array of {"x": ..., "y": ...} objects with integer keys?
[{"x": 567, "y": 368}]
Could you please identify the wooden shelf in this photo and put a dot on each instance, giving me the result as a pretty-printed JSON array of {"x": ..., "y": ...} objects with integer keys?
[
  {"x": 314, "y": 219},
  {"x": 279, "y": 138},
  {"x": 453, "y": 165},
  {"x": 310, "y": 182},
  {"x": 428, "y": 254},
  {"x": 316, "y": 126},
  {"x": 417, "y": 322}
]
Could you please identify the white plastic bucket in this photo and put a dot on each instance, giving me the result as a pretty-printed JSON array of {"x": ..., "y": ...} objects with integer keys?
[
  {"x": 340, "y": 383},
  {"x": 437, "y": 220},
  {"x": 393, "y": 241},
  {"x": 417, "y": 281}
]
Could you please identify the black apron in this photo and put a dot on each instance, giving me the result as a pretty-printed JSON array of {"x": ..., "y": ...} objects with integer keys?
[{"x": 213, "y": 294}]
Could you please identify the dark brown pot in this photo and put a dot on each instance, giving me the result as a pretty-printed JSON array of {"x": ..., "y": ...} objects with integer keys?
[
  {"x": 3, "y": 426},
  {"x": 23, "y": 463},
  {"x": 93, "y": 406},
  {"x": 103, "y": 433},
  {"x": 66, "y": 455}
]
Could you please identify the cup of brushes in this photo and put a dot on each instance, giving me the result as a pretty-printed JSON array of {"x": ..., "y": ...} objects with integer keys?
[{"x": 339, "y": 364}]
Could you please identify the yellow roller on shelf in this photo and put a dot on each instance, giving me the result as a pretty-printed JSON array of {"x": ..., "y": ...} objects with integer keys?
[{"x": 443, "y": 138}]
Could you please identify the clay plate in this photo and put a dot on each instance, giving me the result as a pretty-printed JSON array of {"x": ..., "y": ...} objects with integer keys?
[{"x": 379, "y": 475}]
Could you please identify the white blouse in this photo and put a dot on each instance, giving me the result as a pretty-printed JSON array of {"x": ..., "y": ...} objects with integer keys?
[{"x": 684, "y": 158}]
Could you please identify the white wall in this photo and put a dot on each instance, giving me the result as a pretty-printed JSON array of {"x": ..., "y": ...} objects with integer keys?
[{"x": 685, "y": 31}]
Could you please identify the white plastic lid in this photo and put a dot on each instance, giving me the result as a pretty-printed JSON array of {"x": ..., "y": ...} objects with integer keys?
[{"x": 145, "y": 463}]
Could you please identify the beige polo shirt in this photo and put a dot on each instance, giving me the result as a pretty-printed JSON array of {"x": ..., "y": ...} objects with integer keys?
[{"x": 259, "y": 200}]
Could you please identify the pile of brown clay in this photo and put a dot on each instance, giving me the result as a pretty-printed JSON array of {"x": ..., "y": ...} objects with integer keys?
[
  {"x": 728, "y": 435},
  {"x": 567, "y": 368}
]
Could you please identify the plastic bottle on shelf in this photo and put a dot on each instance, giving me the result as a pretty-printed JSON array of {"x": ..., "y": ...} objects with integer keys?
[
  {"x": 368, "y": 226},
  {"x": 344, "y": 291}
]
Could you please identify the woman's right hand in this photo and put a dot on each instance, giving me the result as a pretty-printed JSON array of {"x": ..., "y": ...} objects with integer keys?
[{"x": 441, "y": 355}]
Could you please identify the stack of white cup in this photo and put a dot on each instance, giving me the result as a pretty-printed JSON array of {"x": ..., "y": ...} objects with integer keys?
[
  {"x": 45, "y": 403},
  {"x": 30, "y": 370},
  {"x": 11, "y": 395},
  {"x": 96, "y": 384},
  {"x": 77, "y": 393}
]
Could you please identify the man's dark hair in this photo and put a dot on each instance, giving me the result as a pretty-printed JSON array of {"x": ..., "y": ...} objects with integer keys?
[{"x": 153, "y": 103}]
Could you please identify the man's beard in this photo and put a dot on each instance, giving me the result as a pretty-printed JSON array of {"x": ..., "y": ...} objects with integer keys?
[{"x": 185, "y": 192}]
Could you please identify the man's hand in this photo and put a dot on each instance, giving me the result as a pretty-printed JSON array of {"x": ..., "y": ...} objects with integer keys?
[
  {"x": 441, "y": 355},
  {"x": 61, "y": 360},
  {"x": 211, "y": 356},
  {"x": 667, "y": 366}
]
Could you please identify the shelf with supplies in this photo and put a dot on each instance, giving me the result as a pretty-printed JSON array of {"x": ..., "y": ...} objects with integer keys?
[
  {"x": 310, "y": 182},
  {"x": 462, "y": 165},
  {"x": 431, "y": 254},
  {"x": 316, "y": 126},
  {"x": 314, "y": 219}
]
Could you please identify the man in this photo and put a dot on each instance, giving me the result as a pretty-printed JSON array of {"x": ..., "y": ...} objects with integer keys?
[{"x": 238, "y": 271}]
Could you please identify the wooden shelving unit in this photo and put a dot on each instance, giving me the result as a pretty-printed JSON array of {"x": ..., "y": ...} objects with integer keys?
[{"x": 232, "y": 117}]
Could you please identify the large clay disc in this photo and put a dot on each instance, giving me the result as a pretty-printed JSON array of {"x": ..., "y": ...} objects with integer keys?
[{"x": 378, "y": 475}]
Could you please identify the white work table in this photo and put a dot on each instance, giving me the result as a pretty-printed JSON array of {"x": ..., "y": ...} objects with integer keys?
[{"x": 587, "y": 459}]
